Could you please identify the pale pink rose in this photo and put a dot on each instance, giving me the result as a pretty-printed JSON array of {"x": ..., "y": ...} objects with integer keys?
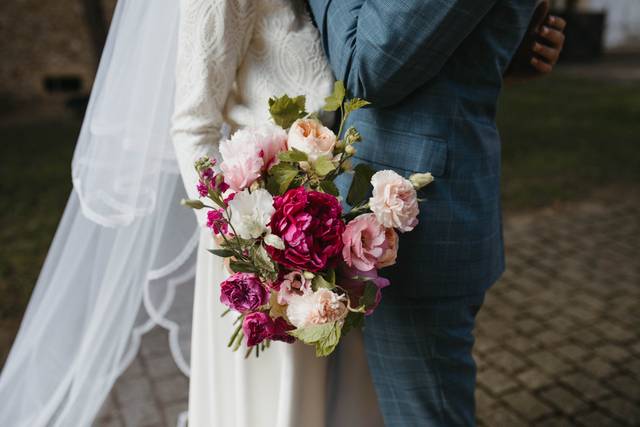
[
  {"x": 316, "y": 308},
  {"x": 293, "y": 283},
  {"x": 249, "y": 153},
  {"x": 390, "y": 247},
  {"x": 311, "y": 137},
  {"x": 364, "y": 241},
  {"x": 394, "y": 201}
]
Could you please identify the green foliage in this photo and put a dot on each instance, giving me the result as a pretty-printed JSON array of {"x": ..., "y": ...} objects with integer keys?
[
  {"x": 352, "y": 321},
  {"x": 329, "y": 187},
  {"x": 334, "y": 101},
  {"x": 286, "y": 110},
  {"x": 354, "y": 104},
  {"x": 325, "y": 336},
  {"x": 281, "y": 177},
  {"x": 324, "y": 165},
  {"x": 293, "y": 156},
  {"x": 262, "y": 262},
  {"x": 242, "y": 267},
  {"x": 368, "y": 298},
  {"x": 328, "y": 281},
  {"x": 223, "y": 253},
  {"x": 361, "y": 184}
]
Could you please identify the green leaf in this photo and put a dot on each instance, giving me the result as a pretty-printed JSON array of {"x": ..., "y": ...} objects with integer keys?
[
  {"x": 361, "y": 184},
  {"x": 329, "y": 187},
  {"x": 334, "y": 101},
  {"x": 313, "y": 333},
  {"x": 352, "y": 321},
  {"x": 293, "y": 155},
  {"x": 224, "y": 253},
  {"x": 242, "y": 267},
  {"x": 355, "y": 104},
  {"x": 320, "y": 282},
  {"x": 282, "y": 174},
  {"x": 323, "y": 165},
  {"x": 285, "y": 110},
  {"x": 261, "y": 260},
  {"x": 325, "y": 346},
  {"x": 368, "y": 298}
]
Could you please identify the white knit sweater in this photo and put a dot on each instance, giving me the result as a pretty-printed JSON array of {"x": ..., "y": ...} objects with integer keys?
[{"x": 232, "y": 56}]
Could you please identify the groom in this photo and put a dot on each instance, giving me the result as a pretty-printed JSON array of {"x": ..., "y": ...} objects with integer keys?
[{"x": 433, "y": 70}]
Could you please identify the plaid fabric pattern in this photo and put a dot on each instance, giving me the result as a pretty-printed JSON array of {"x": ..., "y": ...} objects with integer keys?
[
  {"x": 433, "y": 71},
  {"x": 419, "y": 354}
]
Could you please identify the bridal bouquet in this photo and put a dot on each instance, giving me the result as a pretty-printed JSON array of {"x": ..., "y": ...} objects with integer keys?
[{"x": 301, "y": 267}]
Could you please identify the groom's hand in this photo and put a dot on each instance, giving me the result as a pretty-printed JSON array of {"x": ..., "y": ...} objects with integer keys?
[{"x": 546, "y": 50}]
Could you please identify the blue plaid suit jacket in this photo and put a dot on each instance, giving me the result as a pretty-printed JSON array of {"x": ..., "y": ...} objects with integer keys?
[{"x": 433, "y": 72}]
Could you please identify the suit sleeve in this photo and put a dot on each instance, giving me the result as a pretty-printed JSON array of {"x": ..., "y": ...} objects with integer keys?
[
  {"x": 211, "y": 44},
  {"x": 383, "y": 50}
]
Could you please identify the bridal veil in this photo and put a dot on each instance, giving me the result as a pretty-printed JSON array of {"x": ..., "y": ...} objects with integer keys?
[{"x": 124, "y": 248}]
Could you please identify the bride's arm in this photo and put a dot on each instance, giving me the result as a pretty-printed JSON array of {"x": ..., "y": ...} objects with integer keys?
[{"x": 213, "y": 38}]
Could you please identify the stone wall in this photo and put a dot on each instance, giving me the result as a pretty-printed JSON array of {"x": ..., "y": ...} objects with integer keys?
[{"x": 39, "y": 39}]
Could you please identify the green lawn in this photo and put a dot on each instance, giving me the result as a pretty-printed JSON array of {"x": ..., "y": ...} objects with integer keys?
[{"x": 563, "y": 138}]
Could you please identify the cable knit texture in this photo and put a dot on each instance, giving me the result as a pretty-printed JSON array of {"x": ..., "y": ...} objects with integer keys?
[{"x": 232, "y": 56}]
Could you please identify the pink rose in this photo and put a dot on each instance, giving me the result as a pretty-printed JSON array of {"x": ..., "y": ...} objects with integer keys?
[
  {"x": 394, "y": 201},
  {"x": 315, "y": 308},
  {"x": 243, "y": 292},
  {"x": 249, "y": 153},
  {"x": 390, "y": 247},
  {"x": 311, "y": 137},
  {"x": 310, "y": 225},
  {"x": 293, "y": 283},
  {"x": 364, "y": 240}
]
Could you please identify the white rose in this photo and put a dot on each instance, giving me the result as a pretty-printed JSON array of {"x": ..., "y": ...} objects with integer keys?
[
  {"x": 312, "y": 138},
  {"x": 394, "y": 201},
  {"x": 251, "y": 212}
]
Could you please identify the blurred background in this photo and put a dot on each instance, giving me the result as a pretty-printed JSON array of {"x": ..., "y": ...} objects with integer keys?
[{"x": 558, "y": 341}]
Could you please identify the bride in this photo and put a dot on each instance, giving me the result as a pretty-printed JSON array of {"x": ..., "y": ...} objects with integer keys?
[
  {"x": 232, "y": 56},
  {"x": 173, "y": 75}
]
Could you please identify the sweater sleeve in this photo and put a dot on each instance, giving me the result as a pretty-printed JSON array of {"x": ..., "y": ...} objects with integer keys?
[{"x": 213, "y": 38}]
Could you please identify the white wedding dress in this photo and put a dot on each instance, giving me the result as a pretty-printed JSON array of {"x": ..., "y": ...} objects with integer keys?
[{"x": 232, "y": 56}]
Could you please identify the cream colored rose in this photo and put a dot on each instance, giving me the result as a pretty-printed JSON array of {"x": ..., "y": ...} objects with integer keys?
[
  {"x": 394, "y": 201},
  {"x": 312, "y": 138},
  {"x": 316, "y": 308}
]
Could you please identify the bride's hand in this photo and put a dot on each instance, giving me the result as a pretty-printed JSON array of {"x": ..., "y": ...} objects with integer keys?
[{"x": 547, "y": 50}]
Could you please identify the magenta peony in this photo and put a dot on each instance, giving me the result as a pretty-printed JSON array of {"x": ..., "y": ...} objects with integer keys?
[
  {"x": 310, "y": 225},
  {"x": 243, "y": 292}
]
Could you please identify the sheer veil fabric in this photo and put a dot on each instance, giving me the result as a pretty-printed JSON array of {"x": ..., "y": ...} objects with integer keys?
[
  {"x": 124, "y": 260},
  {"x": 110, "y": 276}
]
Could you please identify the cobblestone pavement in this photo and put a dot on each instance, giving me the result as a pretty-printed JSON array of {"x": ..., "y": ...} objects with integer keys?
[{"x": 558, "y": 340}]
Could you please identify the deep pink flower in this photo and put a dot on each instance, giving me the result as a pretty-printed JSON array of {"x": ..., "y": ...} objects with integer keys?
[
  {"x": 243, "y": 292},
  {"x": 309, "y": 223},
  {"x": 203, "y": 189},
  {"x": 354, "y": 282},
  {"x": 216, "y": 221},
  {"x": 257, "y": 327},
  {"x": 280, "y": 329}
]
